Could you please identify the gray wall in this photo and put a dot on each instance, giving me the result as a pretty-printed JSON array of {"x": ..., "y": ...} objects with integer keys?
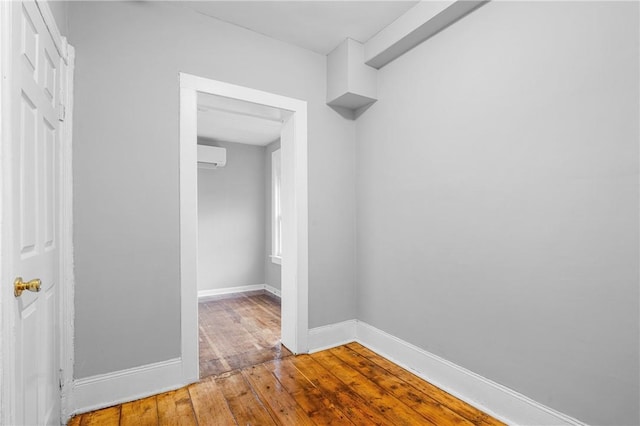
[
  {"x": 126, "y": 205},
  {"x": 231, "y": 211},
  {"x": 497, "y": 213},
  {"x": 272, "y": 271},
  {"x": 60, "y": 11}
]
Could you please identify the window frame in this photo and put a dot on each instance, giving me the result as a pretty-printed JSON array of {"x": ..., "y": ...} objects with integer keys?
[{"x": 276, "y": 207}]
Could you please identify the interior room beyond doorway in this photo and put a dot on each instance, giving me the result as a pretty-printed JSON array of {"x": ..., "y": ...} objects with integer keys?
[{"x": 239, "y": 234}]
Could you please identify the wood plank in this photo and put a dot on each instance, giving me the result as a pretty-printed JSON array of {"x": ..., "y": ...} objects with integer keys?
[
  {"x": 269, "y": 305},
  {"x": 75, "y": 420},
  {"x": 316, "y": 405},
  {"x": 175, "y": 409},
  {"x": 391, "y": 407},
  {"x": 460, "y": 407},
  {"x": 106, "y": 416},
  {"x": 239, "y": 331},
  {"x": 143, "y": 412},
  {"x": 418, "y": 401},
  {"x": 282, "y": 407},
  {"x": 342, "y": 386},
  {"x": 356, "y": 408},
  {"x": 261, "y": 324},
  {"x": 245, "y": 406},
  {"x": 209, "y": 404},
  {"x": 220, "y": 329}
]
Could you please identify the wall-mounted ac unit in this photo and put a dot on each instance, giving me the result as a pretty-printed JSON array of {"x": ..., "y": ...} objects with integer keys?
[{"x": 211, "y": 157}]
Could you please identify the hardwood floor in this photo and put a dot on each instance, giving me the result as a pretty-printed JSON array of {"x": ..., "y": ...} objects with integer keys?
[
  {"x": 238, "y": 331},
  {"x": 249, "y": 378},
  {"x": 348, "y": 385}
]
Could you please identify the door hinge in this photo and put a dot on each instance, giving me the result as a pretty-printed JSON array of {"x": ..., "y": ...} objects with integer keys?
[{"x": 62, "y": 112}]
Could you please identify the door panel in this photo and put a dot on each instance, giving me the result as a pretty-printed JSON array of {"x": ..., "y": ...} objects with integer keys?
[
  {"x": 50, "y": 79},
  {"x": 27, "y": 188},
  {"x": 49, "y": 170},
  {"x": 29, "y": 41}
]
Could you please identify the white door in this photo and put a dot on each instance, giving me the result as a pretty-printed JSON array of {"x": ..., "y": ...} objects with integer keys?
[{"x": 34, "y": 214}]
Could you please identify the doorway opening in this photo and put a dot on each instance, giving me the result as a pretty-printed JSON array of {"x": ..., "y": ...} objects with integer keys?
[
  {"x": 293, "y": 194},
  {"x": 239, "y": 233}
]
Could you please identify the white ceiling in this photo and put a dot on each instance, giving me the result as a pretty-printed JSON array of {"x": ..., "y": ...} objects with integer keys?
[
  {"x": 319, "y": 26},
  {"x": 230, "y": 120}
]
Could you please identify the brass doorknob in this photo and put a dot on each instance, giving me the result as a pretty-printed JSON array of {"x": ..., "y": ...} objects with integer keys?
[{"x": 19, "y": 286}]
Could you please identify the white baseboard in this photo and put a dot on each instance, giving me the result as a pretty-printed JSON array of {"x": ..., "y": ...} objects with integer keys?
[
  {"x": 240, "y": 289},
  {"x": 493, "y": 398},
  {"x": 229, "y": 290},
  {"x": 330, "y": 336},
  {"x": 275, "y": 291},
  {"x": 106, "y": 390}
]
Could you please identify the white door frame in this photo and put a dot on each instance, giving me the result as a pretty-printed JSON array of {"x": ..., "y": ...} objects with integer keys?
[
  {"x": 67, "y": 276},
  {"x": 295, "y": 323},
  {"x": 66, "y": 280}
]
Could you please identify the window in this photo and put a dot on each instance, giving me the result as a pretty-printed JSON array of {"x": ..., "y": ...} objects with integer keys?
[{"x": 276, "y": 207}]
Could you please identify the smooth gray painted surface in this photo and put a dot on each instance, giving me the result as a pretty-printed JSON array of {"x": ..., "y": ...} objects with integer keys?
[
  {"x": 60, "y": 11},
  {"x": 231, "y": 211},
  {"x": 126, "y": 200},
  {"x": 497, "y": 213},
  {"x": 272, "y": 271}
]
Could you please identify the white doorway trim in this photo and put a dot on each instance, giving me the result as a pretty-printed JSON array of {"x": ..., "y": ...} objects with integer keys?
[
  {"x": 295, "y": 324},
  {"x": 67, "y": 275}
]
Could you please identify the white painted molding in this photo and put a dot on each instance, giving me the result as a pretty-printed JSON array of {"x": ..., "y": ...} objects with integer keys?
[
  {"x": 275, "y": 291},
  {"x": 230, "y": 290},
  {"x": 493, "y": 398},
  {"x": 295, "y": 232},
  {"x": 189, "y": 233},
  {"x": 332, "y": 335},
  {"x": 419, "y": 23},
  {"x": 203, "y": 294},
  {"x": 228, "y": 90},
  {"x": 50, "y": 22},
  {"x": 276, "y": 205},
  {"x": 105, "y": 390},
  {"x": 67, "y": 277}
]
